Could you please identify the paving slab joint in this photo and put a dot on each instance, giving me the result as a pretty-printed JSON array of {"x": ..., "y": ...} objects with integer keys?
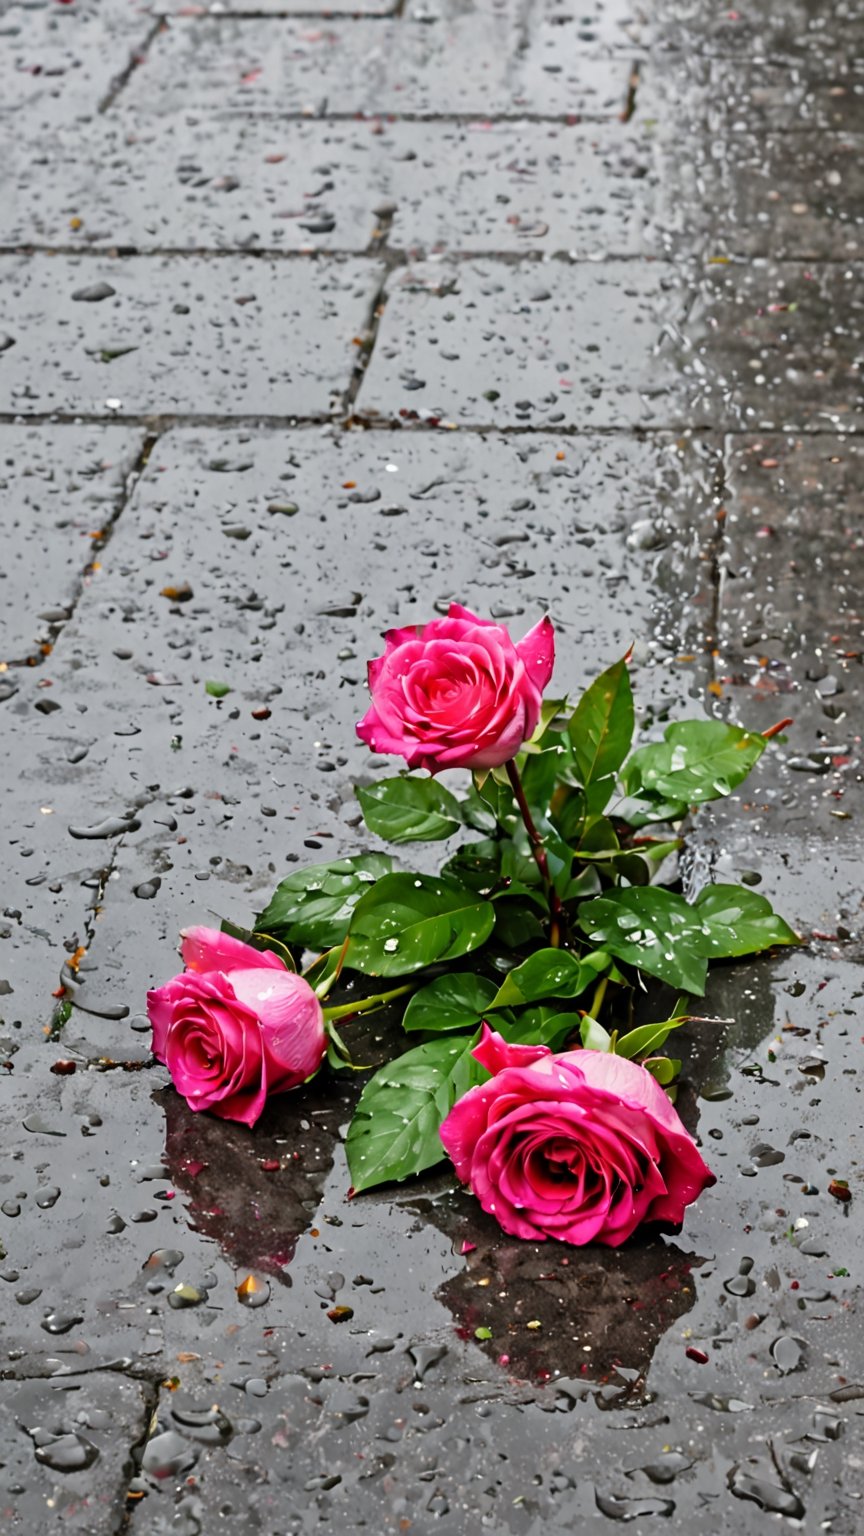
[
  {"x": 367, "y": 346},
  {"x": 151, "y": 1391},
  {"x": 716, "y": 547},
  {"x": 55, "y": 629},
  {"x": 633, "y": 83},
  {"x": 136, "y": 58}
]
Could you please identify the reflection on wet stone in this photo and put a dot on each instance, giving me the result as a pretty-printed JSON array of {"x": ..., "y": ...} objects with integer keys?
[
  {"x": 253, "y": 1195},
  {"x": 546, "y": 1312}
]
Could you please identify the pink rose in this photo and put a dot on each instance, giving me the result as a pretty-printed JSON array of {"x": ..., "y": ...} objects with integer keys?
[
  {"x": 235, "y": 1027},
  {"x": 583, "y": 1147},
  {"x": 457, "y": 693}
]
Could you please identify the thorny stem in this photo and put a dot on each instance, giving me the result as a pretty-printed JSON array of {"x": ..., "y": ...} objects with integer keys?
[
  {"x": 366, "y": 1004},
  {"x": 539, "y": 851}
]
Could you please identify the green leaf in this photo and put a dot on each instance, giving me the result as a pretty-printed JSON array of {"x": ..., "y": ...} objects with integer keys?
[
  {"x": 542, "y": 771},
  {"x": 639, "y": 813},
  {"x": 538, "y": 1026},
  {"x": 739, "y": 922},
  {"x": 648, "y": 1037},
  {"x": 594, "y": 1036},
  {"x": 517, "y": 923},
  {"x": 476, "y": 813},
  {"x": 406, "y": 922},
  {"x": 697, "y": 760},
  {"x": 496, "y": 796},
  {"x": 519, "y": 865},
  {"x": 652, "y": 929},
  {"x": 477, "y": 865},
  {"x": 217, "y": 690},
  {"x": 394, "y": 1132},
  {"x": 457, "y": 1001},
  {"x": 408, "y": 810},
  {"x": 598, "y": 840},
  {"x": 569, "y": 810},
  {"x": 550, "y": 709},
  {"x": 338, "y": 1055},
  {"x": 549, "y": 973},
  {"x": 586, "y": 883},
  {"x": 664, "y": 1068},
  {"x": 313, "y": 907},
  {"x": 260, "y": 941},
  {"x": 601, "y": 725}
]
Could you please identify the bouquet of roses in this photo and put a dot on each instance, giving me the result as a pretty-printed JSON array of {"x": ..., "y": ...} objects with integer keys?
[{"x": 518, "y": 968}]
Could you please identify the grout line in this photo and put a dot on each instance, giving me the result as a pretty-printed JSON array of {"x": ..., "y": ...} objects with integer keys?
[
  {"x": 702, "y": 253},
  {"x": 395, "y": 116},
  {"x": 136, "y": 58},
  {"x": 376, "y": 311},
  {"x": 159, "y": 424},
  {"x": 36, "y": 659},
  {"x": 632, "y": 88},
  {"x": 329, "y": 17},
  {"x": 717, "y": 546},
  {"x": 151, "y": 1389}
]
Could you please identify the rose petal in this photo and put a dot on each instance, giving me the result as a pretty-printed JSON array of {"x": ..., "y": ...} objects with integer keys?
[
  {"x": 494, "y": 1053},
  {"x": 206, "y": 949},
  {"x": 537, "y": 651},
  {"x": 292, "y": 1023}
]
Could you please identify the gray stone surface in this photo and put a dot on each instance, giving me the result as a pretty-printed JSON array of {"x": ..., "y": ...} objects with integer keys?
[
  {"x": 767, "y": 348},
  {"x": 191, "y": 183},
  {"x": 324, "y": 8},
  {"x": 662, "y": 449},
  {"x": 534, "y": 345},
  {"x": 67, "y": 1453},
  {"x": 60, "y": 495},
  {"x": 58, "y": 62},
  {"x": 263, "y": 339},
  {"x": 765, "y": 197},
  {"x": 525, "y": 186},
  {"x": 479, "y": 61},
  {"x": 790, "y": 633}
]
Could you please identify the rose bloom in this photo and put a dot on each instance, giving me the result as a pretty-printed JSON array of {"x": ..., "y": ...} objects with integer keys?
[
  {"x": 235, "y": 1027},
  {"x": 583, "y": 1147},
  {"x": 457, "y": 693}
]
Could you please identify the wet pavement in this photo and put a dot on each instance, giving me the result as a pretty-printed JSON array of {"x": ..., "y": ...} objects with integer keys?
[{"x": 311, "y": 318}]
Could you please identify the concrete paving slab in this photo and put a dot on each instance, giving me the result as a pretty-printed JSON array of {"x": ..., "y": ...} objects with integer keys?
[
  {"x": 479, "y": 63},
  {"x": 280, "y": 341},
  {"x": 526, "y": 186},
  {"x": 534, "y": 345},
  {"x": 792, "y": 97},
  {"x": 253, "y": 66},
  {"x": 190, "y": 183},
  {"x": 60, "y": 491},
  {"x": 798, "y": 30},
  {"x": 59, "y": 62},
  {"x": 762, "y": 196},
  {"x": 257, "y": 8},
  {"x": 791, "y": 635},
  {"x": 767, "y": 346},
  {"x": 66, "y": 1454}
]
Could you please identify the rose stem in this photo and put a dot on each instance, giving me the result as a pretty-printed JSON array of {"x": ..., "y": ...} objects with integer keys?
[
  {"x": 597, "y": 999},
  {"x": 539, "y": 852},
  {"x": 377, "y": 1000}
]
